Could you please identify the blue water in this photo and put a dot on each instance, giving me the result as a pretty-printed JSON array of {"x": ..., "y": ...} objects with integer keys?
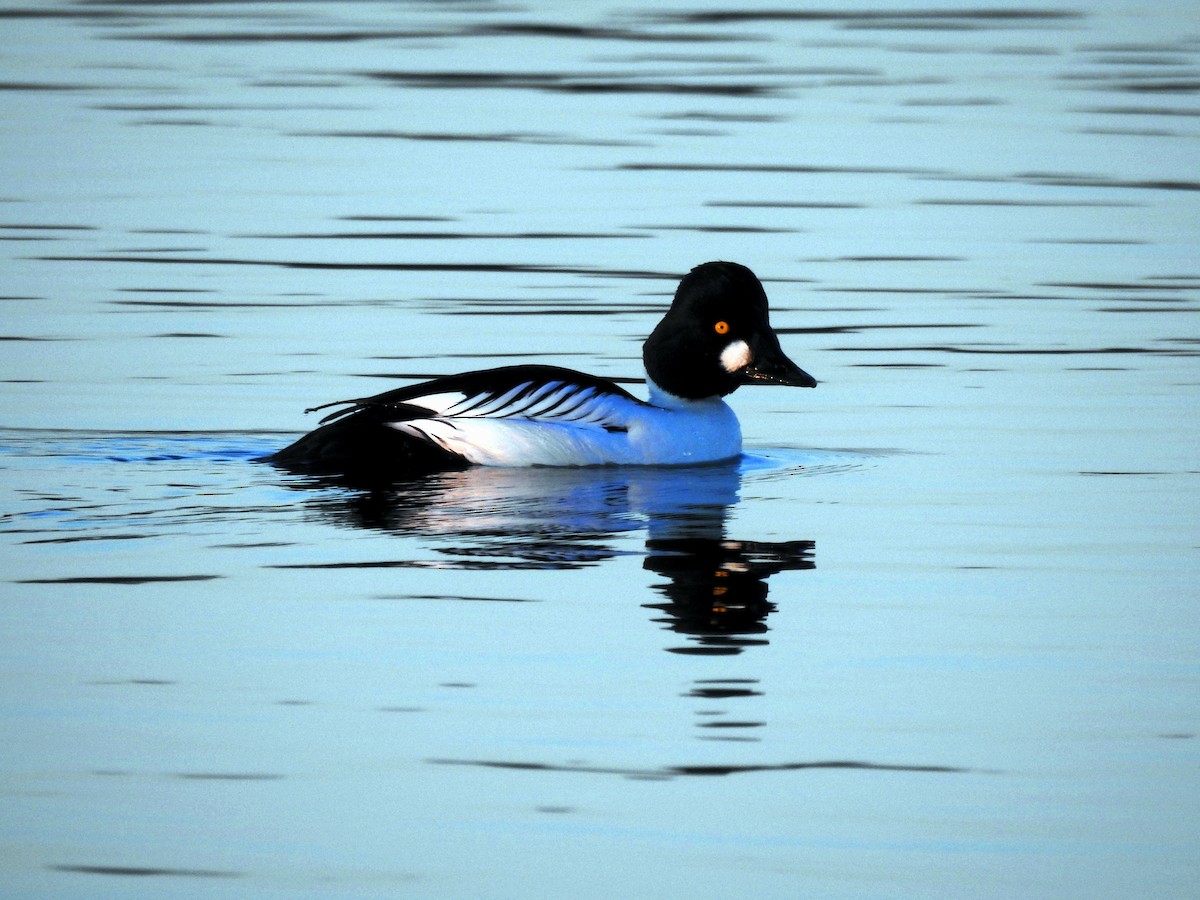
[{"x": 935, "y": 635}]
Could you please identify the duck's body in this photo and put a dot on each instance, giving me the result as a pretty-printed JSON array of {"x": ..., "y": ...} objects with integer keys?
[{"x": 714, "y": 338}]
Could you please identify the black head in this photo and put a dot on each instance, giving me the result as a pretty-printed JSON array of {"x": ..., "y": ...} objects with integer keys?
[{"x": 716, "y": 337}]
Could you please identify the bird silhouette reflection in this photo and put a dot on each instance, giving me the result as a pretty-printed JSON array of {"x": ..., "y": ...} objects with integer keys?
[{"x": 715, "y": 588}]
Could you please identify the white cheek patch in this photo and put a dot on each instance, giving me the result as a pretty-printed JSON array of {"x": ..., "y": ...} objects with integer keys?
[{"x": 736, "y": 356}]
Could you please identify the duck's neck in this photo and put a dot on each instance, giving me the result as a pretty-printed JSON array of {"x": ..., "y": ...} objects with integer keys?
[{"x": 664, "y": 399}]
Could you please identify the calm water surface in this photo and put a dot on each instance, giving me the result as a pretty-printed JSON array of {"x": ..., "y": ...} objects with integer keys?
[{"x": 936, "y": 635}]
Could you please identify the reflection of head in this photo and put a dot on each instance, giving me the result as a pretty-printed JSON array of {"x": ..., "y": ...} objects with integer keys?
[
  {"x": 717, "y": 589},
  {"x": 561, "y": 518}
]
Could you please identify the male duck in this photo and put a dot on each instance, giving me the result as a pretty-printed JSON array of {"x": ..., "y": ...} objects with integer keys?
[{"x": 715, "y": 337}]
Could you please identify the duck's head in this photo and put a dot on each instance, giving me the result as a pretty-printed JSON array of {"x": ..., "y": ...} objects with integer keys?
[{"x": 716, "y": 337}]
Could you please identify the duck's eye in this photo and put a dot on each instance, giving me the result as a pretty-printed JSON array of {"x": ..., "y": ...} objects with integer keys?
[{"x": 721, "y": 327}]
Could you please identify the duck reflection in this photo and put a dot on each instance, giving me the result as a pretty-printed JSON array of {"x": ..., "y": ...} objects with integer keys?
[{"x": 714, "y": 589}]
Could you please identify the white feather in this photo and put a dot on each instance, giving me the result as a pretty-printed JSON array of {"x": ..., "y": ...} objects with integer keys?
[
  {"x": 735, "y": 356},
  {"x": 604, "y": 430}
]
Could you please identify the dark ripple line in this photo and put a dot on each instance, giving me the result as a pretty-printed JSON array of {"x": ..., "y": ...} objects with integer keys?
[
  {"x": 213, "y": 107},
  {"x": 507, "y": 268},
  {"x": 31, "y": 227},
  {"x": 456, "y": 597},
  {"x": 1162, "y": 285},
  {"x": 1067, "y": 179},
  {"x": 559, "y": 30},
  {"x": 719, "y": 693},
  {"x": 551, "y": 140},
  {"x": 1019, "y": 351},
  {"x": 89, "y": 537},
  {"x": 1139, "y": 111},
  {"x": 1154, "y": 184},
  {"x": 263, "y": 37},
  {"x": 727, "y": 16},
  {"x": 343, "y": 36},
  {"x": 141, "y": 872},
  {"x": 553, "y": 563},
  {"x": 855, "y": 329},
  {"x": 704, "y": 770},
  {"x": 378, "y": 218},
  {"x": 561, "y": 82},
  {"x": 1146, "y": 309},
  {"x": 42, "y": 86},
  {"x": 775, "y": 169},
  {"x": 116, "y": 579},
  {"x": 445, "y": 235}
]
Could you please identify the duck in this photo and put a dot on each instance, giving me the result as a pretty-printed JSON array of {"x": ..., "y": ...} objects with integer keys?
[{"x": 714, "y": 338}]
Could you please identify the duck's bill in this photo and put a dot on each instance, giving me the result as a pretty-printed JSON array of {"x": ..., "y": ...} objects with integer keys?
[{"x": 773, "y": 367}]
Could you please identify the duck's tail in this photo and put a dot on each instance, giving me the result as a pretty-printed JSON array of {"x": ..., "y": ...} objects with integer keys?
[{"x": 362, "y": 448}]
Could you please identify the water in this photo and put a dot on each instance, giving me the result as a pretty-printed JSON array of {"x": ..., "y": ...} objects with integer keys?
[{"x": 936, "y": 635}]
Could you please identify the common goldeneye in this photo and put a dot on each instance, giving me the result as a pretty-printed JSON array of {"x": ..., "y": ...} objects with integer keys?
[{"x": 714, "y": 338}]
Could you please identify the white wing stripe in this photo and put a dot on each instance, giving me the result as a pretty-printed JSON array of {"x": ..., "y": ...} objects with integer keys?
[
  {"x": 552, "y": 401},
  {"x": 437, "y": 403},
  {"x": 547, "y": 407},
  {"x": 531, "y": 400},
  {"x": 522, "y": 405},
  {"x": 486, "y": 404},
  {"x": 593, "y": 412},
  {"x": 579, "y": 397}
]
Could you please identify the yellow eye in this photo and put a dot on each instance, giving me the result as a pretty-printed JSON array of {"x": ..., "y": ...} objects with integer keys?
[{"x": 721, "y": 327}]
